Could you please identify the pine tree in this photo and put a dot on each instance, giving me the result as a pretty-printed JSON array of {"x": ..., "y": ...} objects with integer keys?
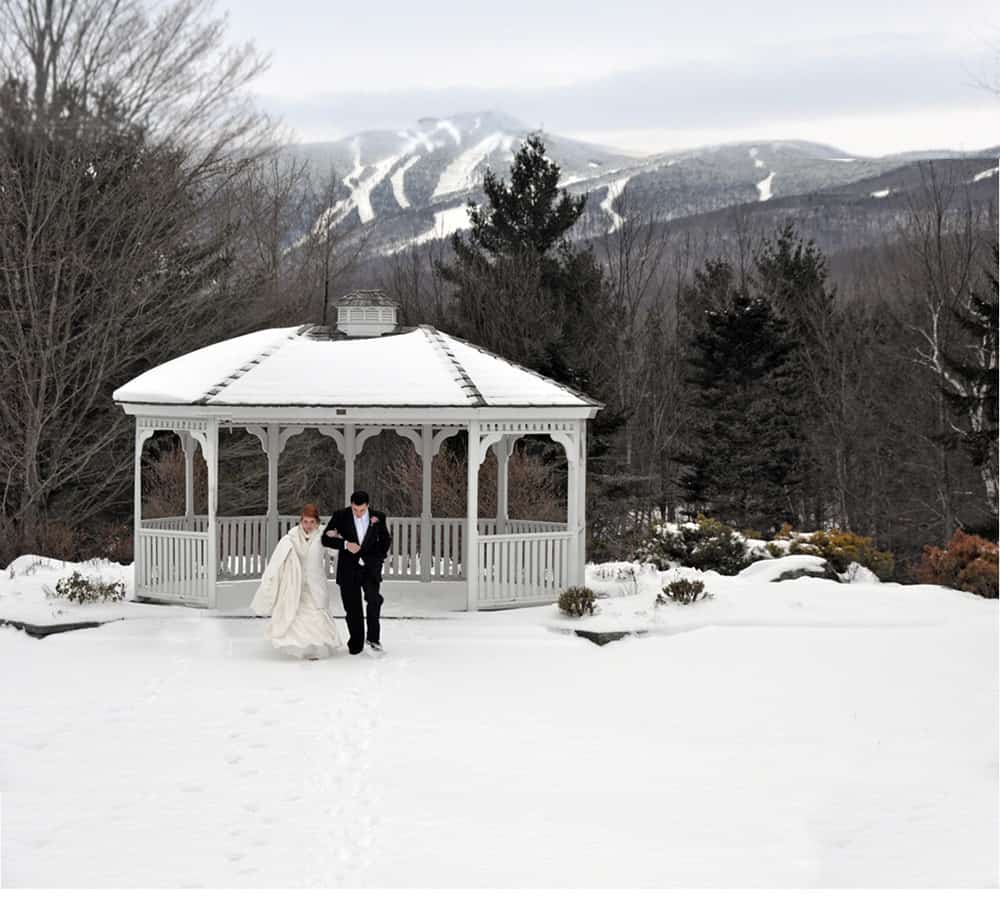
[
  {"x": 520, "y": 288},
  {"x": 523, "y": 291},
  {"x": 793, "y": 274},
  {"x": 746, "y": 443},
  {"x": 529, "y": 215}
]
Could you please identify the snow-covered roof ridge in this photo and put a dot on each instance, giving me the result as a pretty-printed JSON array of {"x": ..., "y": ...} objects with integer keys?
[
  {"x": 366, "y": 297},
  {"x": 245, "y": 368},
  {"x": 586, "y": 399},
  {"x": 461, "y": 376}
]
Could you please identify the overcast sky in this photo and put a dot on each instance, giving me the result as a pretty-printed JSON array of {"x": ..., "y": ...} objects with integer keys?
[{"x": 870, "y": 77}]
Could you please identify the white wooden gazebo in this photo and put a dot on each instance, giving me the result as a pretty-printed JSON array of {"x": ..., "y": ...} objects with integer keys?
[{"x": 350, "y": 383}]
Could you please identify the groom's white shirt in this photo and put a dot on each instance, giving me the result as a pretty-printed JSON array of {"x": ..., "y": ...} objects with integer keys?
[{"x": 361, "y": 525}]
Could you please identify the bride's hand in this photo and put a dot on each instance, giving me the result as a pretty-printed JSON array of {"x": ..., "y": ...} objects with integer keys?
[{"x": 334, "y": 534}]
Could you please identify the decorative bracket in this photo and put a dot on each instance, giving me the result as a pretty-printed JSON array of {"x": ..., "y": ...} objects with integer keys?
[{"x": 444, "y": 433}]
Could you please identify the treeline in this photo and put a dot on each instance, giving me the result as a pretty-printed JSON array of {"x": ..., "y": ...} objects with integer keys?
[
  {"x": 148, "y": 209},
  {"x": 740, "y": 380}
]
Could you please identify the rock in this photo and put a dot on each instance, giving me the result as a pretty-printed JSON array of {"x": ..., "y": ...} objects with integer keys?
[
  {"x": 602, "y": 638},
  {"x": 826, "y": 573},
  {"x": 858, "y": 573},
  {"x": 771, "y": 570}
]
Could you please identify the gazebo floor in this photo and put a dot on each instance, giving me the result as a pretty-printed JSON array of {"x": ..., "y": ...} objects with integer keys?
[{"x": 403, "y": 598}]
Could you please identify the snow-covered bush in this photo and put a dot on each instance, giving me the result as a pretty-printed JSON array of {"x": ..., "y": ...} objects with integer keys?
[
  {"x": 841, "y": 547},
  {"x": 80, "y": 589},
  {"x": 968, "y": 563},
  {"x": 683, "y": 592},
  {"x": 706, "y": 544},
  {"x": 577, "y": 601}
]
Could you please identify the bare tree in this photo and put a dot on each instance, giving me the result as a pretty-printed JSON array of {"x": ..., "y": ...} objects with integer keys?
[
  {"x": 170, "y": 70},
  {"x": 949, "y": 244},
  {"x": 116, "y": 132}
]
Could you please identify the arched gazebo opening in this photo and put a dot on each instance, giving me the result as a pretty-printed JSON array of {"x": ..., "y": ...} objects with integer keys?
[{"x": 427, "y": 388}]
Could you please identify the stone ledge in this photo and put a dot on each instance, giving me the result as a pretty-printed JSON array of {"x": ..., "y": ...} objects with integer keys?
[{"x": 40, "y": 631}]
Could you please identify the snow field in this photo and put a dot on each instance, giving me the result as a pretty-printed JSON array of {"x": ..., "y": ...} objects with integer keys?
[{"x": 489, "y": 750}]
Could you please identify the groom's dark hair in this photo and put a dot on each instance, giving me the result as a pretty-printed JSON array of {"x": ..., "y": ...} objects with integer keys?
[{"x": 359, "y": 497}]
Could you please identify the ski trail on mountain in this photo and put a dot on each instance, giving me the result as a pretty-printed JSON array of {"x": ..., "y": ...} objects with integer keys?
[
  {"x": 398, "y": 188},
  {"x": 458, "y": 175},
  {"x": 615, "y": 189}
]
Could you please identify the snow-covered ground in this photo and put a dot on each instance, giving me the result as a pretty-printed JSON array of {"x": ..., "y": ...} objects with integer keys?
[{"x": 796, "y": 734}]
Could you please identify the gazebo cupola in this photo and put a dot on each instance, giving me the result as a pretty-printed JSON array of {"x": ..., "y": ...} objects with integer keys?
[{"x": 366, "y": 313}]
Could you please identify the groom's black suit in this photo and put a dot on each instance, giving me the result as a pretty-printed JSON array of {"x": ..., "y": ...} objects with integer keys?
[{"x": 359, "y": 572}]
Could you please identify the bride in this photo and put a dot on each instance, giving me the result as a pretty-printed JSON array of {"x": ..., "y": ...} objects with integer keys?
[{"x": 293, "y": 591}]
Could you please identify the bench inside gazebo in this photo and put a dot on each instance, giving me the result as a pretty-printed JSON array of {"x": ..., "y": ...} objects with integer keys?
[{"x": 351, "y": 383}]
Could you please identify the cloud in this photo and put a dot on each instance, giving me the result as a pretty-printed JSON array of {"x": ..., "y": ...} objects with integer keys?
[{"x": 863, "y": 77}]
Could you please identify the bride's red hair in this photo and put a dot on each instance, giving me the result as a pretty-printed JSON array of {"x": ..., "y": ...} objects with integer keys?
[{"x": 310, "y": 511}]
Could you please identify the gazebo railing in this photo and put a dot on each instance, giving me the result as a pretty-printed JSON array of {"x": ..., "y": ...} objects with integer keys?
[
  {"x": 172, "y": 565},
  {"x": 243, "y": 552},
  {"x": 524, "y": 567}
]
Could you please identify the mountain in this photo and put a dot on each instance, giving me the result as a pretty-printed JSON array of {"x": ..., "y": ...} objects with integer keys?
[{"x": 411, "y": 185}]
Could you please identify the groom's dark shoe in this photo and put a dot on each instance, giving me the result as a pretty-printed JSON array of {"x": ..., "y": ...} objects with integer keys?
[
  {"x": 355, "y": 650},
  {"x": 375, "y": 648}
]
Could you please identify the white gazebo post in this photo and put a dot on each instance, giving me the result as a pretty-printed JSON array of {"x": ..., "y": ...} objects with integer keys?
[
  {"x": 573, "y": 504},
  {"x": 426, "y": 459},
  {"x": 349, "y": 455},
  {"x": 212, "y": 459},
  {"x": 581, "y": 504},
  {"x": 137, "y": 503},
  {"x": 273, "y": 449},
  {"x": 271, "y": 441},
  {"x": 471, "y": 561},
  {"x": 188, "y": 445},
  {"x": 503, "y": 450},
  {"x": 574, "y": 442}
]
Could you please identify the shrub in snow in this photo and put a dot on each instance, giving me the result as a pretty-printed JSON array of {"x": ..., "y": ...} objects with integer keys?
[
  {"x": 618, "y": 571},
  {"x": 683, "y": 592},
  {"x": 774, "y": 550},
  {"x": 622, "y": 575},
  {"x": 77, "y": 588},
  {"x": 707, "y": 544},
  {"x": 968, "y": 563},
  {"x": 577, "y": 601},
  {"x": 841, "y": 547}
]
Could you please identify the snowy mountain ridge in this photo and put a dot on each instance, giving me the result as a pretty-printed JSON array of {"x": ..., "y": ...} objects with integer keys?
[{"x": 412, "y": 184}]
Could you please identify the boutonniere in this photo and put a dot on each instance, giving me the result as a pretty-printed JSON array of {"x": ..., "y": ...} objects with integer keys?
[{"x": 374, "y": 519}]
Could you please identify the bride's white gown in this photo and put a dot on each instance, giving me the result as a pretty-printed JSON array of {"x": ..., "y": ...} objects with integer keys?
[{"x": 293, "y": 591}]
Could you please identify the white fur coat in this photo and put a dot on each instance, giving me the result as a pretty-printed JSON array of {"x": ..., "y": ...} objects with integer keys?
[{"x": 298, "y": 557}]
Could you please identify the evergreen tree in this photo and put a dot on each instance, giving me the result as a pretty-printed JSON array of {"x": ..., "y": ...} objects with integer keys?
[
  {"x": 523, "y": 291},
  {"x": 746, "y": 441},
  {"x": 793, "y": 274},
  {"x": 520, "y": 288}
]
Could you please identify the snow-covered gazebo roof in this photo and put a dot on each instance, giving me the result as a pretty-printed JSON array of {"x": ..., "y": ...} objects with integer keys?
[{"x": 313, "y": 366}]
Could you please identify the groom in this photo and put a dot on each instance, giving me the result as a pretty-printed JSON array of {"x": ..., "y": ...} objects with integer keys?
[{"x": 362, "y": 537}]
